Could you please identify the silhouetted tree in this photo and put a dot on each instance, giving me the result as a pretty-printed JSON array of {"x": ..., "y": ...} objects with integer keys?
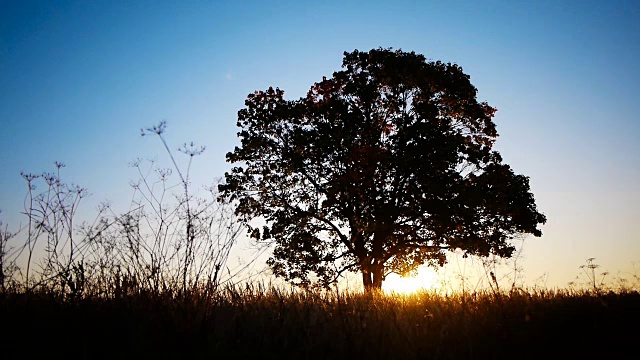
[{"x": 379, "y": 169}]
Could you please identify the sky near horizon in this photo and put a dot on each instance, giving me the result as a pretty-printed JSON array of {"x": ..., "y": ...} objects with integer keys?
[{"x": 78, "y": 79}]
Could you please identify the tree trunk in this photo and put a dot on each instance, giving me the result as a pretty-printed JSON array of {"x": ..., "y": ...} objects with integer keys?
[
  {"x": 378, "y": 277},
  {"x": 372, "y": 279},
  {"x": 366, "y": 280}
]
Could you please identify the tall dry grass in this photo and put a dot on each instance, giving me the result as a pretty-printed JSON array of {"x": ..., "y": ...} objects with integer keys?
[{"x": 257, "y": 321}]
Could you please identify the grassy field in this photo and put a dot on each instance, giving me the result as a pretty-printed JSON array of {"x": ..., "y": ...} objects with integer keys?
[{"x": 255, "y": 322}]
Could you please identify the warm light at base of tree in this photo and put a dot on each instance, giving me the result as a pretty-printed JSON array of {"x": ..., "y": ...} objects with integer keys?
[{"x": 427, "y": 279}]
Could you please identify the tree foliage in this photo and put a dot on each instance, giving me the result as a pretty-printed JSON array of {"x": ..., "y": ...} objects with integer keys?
[{"x": 381, "y": 168}]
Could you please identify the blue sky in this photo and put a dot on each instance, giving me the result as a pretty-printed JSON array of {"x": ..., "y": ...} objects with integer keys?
[{"x": 79, "y": 79}]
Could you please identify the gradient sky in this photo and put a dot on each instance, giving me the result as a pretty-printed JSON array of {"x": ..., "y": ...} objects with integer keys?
[{"x": 79, "y": 79}]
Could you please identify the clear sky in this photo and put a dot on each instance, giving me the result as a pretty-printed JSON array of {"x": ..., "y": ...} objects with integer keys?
[{"x": 79, "y": 79}]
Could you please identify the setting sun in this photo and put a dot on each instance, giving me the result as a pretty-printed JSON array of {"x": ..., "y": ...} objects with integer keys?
[{"x": 427, "y": 279}]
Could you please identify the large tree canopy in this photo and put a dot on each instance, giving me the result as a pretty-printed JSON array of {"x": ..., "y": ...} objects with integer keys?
[{"x": 379, "y": 169}]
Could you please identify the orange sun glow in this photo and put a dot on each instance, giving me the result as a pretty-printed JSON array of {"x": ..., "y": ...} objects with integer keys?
[{"x": 427, "y": 279}]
